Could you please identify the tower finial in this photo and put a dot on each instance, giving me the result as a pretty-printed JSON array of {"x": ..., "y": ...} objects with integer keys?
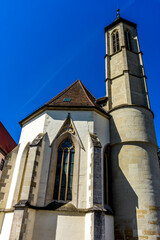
[{"x": 118, "y": 14}]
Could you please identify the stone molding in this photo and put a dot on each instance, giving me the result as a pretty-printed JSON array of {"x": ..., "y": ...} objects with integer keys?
[
  {"x": 130, "y": 106},
  {"x": 133, "y": 142}
]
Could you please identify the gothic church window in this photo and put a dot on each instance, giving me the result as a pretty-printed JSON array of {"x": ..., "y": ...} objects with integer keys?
[
  {"x": 128, "y": 40},
  {"x": 64, "y": 171},
  {"x": 115, "y": 41}
]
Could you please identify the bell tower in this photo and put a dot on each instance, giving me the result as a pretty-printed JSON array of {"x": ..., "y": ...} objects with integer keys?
[
  {"x": 134, "y": 163},
  {"x": 125, "y": 75}
]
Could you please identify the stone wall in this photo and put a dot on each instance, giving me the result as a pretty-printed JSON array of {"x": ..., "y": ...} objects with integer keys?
[{"x": 135, "y": 174}]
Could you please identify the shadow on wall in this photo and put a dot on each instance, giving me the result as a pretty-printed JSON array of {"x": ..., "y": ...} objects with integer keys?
[
  {"x": 153, "y": 165},
  {"x": 124, "y": 199},
  {"x": 45, "y": 225}
]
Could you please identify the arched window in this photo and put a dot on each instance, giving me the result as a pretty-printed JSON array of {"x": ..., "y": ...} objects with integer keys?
[
  {"x": 64, "y": 171},
  {"x": 128, "y": 40},
  {"x": 115, "y": 41}
]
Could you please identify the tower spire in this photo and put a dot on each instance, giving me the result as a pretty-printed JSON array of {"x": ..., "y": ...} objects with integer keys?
[{"x": 118, "y": 13}]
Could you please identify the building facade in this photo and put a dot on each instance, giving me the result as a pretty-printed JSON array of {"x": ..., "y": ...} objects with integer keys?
[{"x": 87, "y": 168}]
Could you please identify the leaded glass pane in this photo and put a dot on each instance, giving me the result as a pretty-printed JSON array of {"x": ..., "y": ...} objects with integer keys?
[
  {"x": 64, "y": 174},
  {"x": 129, "y": 41},
  {"x": 117, "y": 40},
  {"x": 70, "y": 175},
  {"x": 67, "y": 143},
  {"x": 69, "y": 194},
  {"x": 114, "y": 43},
  {"x": 58, "y": 171},
  {"x": 126, "y": 40}
]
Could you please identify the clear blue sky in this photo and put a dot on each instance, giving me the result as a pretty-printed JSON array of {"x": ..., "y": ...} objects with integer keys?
[{"x": 46, "y": 45}]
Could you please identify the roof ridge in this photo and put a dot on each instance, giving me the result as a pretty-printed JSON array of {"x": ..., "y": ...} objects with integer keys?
[
  {"x": 84, "y": 89},
  {"x": 88, "y": 90},
  {"x": 61, "y": 93}
]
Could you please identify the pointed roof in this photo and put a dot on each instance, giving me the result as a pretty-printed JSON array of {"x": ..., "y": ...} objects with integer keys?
[
  {"x": 118, "y": 20},
  {"x": 75, "y": 96}
]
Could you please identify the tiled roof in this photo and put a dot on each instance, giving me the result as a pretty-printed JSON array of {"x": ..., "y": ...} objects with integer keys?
[
  {"x": 7, "y": 144},
  {"x": 75, "y": 96}
]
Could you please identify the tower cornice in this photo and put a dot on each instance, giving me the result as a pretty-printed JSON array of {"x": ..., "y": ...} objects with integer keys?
[
  {"x": 119, "y": 20},
  {"x": 130, "y": 106}
]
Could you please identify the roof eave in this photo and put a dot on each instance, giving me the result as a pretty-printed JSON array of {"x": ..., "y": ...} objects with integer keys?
[
  {"x": 119, "y": 20},
  {"x": 80, "y": 108}
]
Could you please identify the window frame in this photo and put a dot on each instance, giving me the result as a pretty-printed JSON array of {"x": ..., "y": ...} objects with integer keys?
[
  {"x": 52, "y": 170},
  {"x": 128, "y": 44},
  {"x": 61, "y": 170},
  {"x": 115, "y": 41}
]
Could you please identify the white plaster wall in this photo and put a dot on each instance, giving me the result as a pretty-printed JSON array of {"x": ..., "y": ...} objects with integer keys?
[
  {"x": 89, "y": 226},
  {"x": 52, "y": 226},
  {"x": 31, "y": 129},
  {"x": 109, "y": 227},
  {"x": 89, "y": 183},
  {"x": 101, "y": 128},
  {"x": 83, "y": 123},
  {"x": 7, "y": 223},
  {"x": 51, "y": 122},
  {"x": 30, "y": 224},
  {"x": 82, "y": 120},
  {"x": 45, "y": 225},
  {"x": 29, "y": 132},
  {"x": 68, "y": 226}
]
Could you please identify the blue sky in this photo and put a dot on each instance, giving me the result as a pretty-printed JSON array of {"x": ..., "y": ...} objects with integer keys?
[{"x": 47, "y": 45}]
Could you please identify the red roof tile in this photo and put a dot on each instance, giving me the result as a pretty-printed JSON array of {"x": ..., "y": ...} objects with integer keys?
[{"x": 6, "y": 141}]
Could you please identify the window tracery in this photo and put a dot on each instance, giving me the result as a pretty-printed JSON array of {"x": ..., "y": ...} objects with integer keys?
[
  {"x": 64, "y": 171},
  {"x": 128, "y": 40},
  {"x": 115, "y": 41}
]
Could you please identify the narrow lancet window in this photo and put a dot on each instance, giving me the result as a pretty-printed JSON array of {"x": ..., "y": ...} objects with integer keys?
[
  {"x": 128, "y": 40},
  {"x": 64, "y": 171},
  {"x": 115, "y": 42}
]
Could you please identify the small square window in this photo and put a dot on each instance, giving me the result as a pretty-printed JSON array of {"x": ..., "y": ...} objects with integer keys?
[{"x": 66, "y": 99}]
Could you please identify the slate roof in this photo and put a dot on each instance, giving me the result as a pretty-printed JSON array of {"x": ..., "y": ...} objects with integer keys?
[
  {"x": 75, "y": 96},
  {"x": 7, "y": 144}
]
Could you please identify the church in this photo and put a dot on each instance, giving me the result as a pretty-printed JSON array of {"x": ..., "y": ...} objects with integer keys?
[{"x": 87, "y": 168}]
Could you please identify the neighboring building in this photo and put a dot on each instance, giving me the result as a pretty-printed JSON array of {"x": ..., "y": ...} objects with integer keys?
[
  {"x": 87, "y": 169},
  {"x": 7, "y": 144}
]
